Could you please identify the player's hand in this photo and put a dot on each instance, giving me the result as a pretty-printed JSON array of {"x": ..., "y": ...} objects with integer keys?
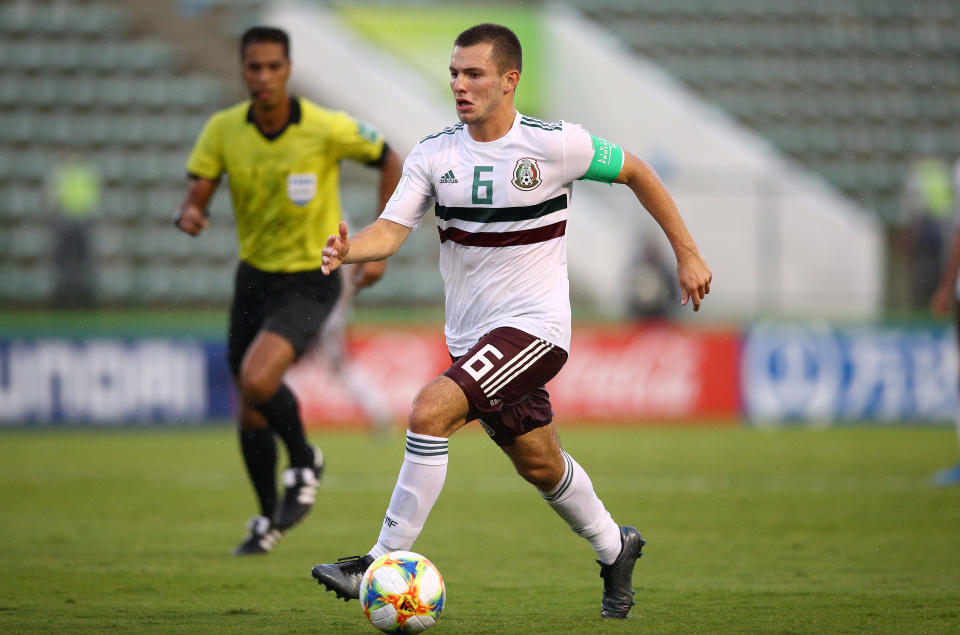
[
  {"x": 367, "y": 273},
  {"x": 191, "y": 220},
  {"x": 335, "y": 250},
  {"x": 941, "y": 300},
  {"x": 695, "y": 277}
]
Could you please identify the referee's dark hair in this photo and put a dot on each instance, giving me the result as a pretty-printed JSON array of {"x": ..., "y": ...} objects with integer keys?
[{"x": 257, "y": 34}]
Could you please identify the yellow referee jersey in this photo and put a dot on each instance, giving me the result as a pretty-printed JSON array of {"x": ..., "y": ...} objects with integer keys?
[{"x": 284, "y": 188}]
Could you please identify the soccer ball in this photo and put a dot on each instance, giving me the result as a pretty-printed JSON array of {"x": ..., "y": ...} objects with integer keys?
[{"x": 402, "y": 592}]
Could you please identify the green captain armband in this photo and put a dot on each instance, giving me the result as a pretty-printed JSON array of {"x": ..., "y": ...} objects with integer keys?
[{"x": 607, "y": 161}]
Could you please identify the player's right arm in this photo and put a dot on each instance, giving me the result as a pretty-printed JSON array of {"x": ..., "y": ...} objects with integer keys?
[
  {"x": 192, "y": 217},
  {"x": 404, "y": 211},
  {"x": 204, "y": 166},
  {"x": 378, "y": 240}
]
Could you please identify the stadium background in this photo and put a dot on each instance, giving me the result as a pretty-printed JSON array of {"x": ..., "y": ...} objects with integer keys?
[{"x": 787, "y": 129}]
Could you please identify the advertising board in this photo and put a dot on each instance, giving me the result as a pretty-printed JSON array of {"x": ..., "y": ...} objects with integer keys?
[{"x": 856, "y": 373}]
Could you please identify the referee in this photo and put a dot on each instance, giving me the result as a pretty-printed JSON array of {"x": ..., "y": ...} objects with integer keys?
[{"x": 281, "y": 154}]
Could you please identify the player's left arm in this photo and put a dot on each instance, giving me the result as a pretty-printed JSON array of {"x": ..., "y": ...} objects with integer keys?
[
  {"x": 365, "y": 274},
  {"x": 692, "y": 271}
]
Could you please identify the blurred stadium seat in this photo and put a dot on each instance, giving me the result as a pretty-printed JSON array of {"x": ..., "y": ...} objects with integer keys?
[
  {"x": 91, "y": 80},
  {"x": 853, "y": 90},
  {"x": 60, "y": 19},
  {"x": 848, "y": 88},
  {"x": 98, "y": 80}
]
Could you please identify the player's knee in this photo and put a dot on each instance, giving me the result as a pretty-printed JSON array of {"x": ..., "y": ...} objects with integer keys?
[
  {"x": 438, "y": 409},
  {"x": 541, "y": 473},
  {"x": 252, "y": 419},
  {"x": 426, "y": 418},
  {"x": 257, "y": 388}
]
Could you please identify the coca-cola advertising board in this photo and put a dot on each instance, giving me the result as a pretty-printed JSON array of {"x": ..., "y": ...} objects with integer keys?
[
  {"x": 625, "y": 373},
  {"x": 649, "y": 373}
]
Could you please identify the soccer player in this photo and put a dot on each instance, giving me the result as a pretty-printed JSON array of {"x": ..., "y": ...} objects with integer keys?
[
  {"x": 500, "y": 185},
  {"x": 943, "y": 301},
  {"x": 281, "y": 154}
]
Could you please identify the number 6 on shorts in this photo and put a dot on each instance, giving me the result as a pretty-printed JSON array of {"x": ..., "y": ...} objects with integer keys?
[{"x": 481, "y": 358}]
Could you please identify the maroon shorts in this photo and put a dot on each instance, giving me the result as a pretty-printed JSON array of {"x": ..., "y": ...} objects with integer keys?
[{"x": 503, "y": 377}]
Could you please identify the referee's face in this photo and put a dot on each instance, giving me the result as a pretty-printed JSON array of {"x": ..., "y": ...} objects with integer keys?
[{"x": 266, "y": 70}]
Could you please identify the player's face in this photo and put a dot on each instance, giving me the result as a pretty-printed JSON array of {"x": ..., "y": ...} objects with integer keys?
[
  {"x": 266, "y": 70},
  {"x": 477, "y": 85}
]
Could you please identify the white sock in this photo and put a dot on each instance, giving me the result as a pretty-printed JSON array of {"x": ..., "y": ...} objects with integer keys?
[
  {"x": 576, "y": 502},
  {"x": 418, "y": 486}
]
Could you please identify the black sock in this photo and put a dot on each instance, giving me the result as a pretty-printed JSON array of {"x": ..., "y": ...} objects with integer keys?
[
  {"x": 283, "y": 413},
  {"x": 260, "y": 456}
]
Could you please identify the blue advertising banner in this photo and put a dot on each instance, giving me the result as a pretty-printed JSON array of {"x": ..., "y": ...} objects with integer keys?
[
  {"x": 112, "y": 381},
  {"x": 803, "y": 373},
  {"x": 857, "y": 373}
]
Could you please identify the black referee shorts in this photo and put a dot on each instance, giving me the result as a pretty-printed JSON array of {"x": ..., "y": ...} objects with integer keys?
[{"x": 293, "y": 305}]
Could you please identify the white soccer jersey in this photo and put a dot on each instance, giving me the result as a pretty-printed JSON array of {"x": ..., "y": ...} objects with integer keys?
[{"x": 502, "y": 209}]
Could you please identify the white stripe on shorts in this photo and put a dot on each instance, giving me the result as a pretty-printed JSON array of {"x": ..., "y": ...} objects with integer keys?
[
  {"x": 517, "y": 365},
  {"x": 506, "y": 366}
]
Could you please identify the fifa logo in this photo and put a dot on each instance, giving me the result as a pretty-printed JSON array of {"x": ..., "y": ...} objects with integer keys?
[{"x": 526, "y": 174}]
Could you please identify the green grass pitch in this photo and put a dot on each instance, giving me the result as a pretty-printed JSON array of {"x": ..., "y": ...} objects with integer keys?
[{"x": 793, "y": 531}]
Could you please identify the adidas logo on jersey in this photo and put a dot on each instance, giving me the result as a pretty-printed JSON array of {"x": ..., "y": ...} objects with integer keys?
[{"x": 448, "y": 178}]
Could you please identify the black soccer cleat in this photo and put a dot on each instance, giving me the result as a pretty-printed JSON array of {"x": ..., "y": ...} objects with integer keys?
[
  {"x": 261, "y": 537},
  {"x": 343, "y": 577},
  {"x": 300, "y": 492},
  {"x": 618, "y": 576}
]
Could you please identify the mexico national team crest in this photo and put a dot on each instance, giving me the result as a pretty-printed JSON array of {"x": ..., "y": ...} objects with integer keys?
[{"x": 526, "y": 176}]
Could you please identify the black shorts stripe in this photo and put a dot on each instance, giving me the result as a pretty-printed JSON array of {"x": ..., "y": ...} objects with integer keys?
[
  {"x": 502, "y": 214},
  {"x": 503, "y": 239}
]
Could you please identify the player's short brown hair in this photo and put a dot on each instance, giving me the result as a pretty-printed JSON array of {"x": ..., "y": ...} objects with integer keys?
[{"x": 506, "y": 52}]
